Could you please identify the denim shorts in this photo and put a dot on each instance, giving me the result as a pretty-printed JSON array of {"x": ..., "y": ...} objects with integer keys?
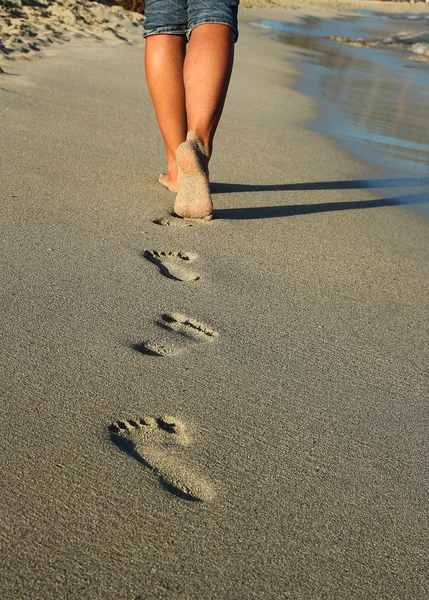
[{"x": 181, "y": 16}]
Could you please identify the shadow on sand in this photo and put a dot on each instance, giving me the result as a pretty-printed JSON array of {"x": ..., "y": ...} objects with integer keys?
[{"x": 267, "y": 212}]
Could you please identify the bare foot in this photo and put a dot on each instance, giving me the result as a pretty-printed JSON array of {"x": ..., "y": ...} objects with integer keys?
[
  {"x": 193, "y": 200},
  {"x": 170, "y": 182}
]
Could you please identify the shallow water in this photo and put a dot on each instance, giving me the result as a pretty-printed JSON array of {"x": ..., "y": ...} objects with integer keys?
[{"x": 374, "y": 100}]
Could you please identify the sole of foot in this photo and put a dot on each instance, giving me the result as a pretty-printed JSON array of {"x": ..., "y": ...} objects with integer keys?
[
  {"x": 159, "y": 443},
  {"x": 193, "y": 200}
]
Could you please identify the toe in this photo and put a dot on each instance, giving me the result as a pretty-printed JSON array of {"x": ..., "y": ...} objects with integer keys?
[
  {"x": 123, "y": 425},
  {"x": 114, "y": 428}
]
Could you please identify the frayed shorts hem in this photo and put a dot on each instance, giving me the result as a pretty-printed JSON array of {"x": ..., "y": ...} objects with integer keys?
[{"x": 187, "y": 30}]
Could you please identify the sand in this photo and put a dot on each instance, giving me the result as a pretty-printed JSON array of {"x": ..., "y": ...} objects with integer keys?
[
  {"x": 28, "y": 27},
  {"x": 295, "y": 364}
]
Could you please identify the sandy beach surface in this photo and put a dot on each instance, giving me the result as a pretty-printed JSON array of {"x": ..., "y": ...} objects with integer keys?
[{"x": 266, "y": 373}]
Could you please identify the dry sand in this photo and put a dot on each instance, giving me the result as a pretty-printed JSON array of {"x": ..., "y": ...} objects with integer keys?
[
  {"x": 27, "y": 27},
  {"x": 295, "y": 365}
]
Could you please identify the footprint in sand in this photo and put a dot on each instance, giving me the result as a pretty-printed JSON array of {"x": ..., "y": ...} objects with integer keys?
[
  {"x": 174, "y": 265},
  {"x": 173, "y": 222},
  {"x": 152, "y": 348},
  {"x": 186, "y": 326},
  {"x": 183, "y": 326},
  {"x": 160, "y": 444}
]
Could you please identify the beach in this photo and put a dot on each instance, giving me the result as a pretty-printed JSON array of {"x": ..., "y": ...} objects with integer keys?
[
  {"x": 28, "y": 28},
  {"x": 274, "y": 359}
]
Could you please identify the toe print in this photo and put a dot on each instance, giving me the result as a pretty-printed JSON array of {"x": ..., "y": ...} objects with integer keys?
[{"x": 187, "y": 326}]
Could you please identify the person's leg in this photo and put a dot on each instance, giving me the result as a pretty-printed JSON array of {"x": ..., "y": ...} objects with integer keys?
[
  {"x": 206, "y": 75},
  {"x": 164, "y": 60}
]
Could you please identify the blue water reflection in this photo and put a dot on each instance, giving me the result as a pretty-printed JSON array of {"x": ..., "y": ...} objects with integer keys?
[{"x": 374, "y": 100}]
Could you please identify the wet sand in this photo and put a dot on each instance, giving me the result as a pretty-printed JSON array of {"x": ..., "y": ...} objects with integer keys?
[{"x": 291, "y": 365}]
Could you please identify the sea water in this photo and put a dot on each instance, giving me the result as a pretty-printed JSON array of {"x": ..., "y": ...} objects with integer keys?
[{"x": 375, "y": 101}]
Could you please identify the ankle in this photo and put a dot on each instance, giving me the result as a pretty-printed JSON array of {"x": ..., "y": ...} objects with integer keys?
[
  {"x": 173, "y": 169},
  {"x": 202, "y": 142}
]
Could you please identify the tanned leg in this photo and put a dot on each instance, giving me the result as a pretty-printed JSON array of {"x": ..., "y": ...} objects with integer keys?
[
  {"x": 164, "y": 61},
  {"x": 206, "y": 75}
]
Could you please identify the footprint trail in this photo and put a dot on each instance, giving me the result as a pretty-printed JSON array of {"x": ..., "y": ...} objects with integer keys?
[{"x": 159, "y": 444}]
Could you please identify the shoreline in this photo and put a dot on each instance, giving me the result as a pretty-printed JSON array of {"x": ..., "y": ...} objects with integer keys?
[{"x": 364, "y": 137}]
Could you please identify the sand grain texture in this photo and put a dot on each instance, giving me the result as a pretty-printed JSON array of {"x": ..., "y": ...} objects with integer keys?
[
  {"x": 308, "y": 409},
  {"x": 28, "y": 28}
]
